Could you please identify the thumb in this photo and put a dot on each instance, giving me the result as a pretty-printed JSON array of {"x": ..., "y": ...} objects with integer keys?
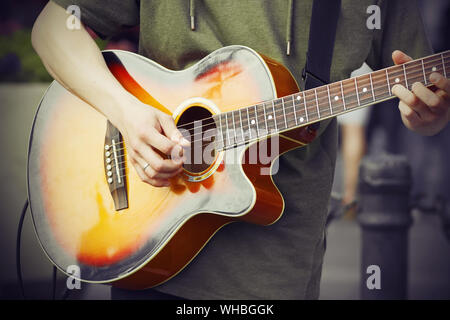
[
  {"x": 400, "y": 57},
  {"x": 171, "y": 130}
]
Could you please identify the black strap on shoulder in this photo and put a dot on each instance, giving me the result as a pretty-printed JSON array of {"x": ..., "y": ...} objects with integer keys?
[{"x": 325, "y": 14}]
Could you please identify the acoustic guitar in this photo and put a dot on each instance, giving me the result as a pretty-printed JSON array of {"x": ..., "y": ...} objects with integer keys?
[{"x": 239, "y": 109}]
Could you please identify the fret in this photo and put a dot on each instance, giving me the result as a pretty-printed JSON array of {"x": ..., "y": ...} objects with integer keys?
[
  {"x": 298, "y": 99},
  {"x": 363, "y": 86},
  {"x": 278, "y": 114},
  {"x": 227, "y": 139},
  {"x": 239, "y": 132},
  {"x": 295, "y": 111},
  {"x": 413, "y": 71},
  {"x": 406, "y": 79},
  {"x": 242, "y": 128},
  {"x": 371, "y": 86},
  {"x": 322, "y": 98},
  {"x": 387, "y": 80},
  {"x": 265, "y": 117},
  {"x": 219, "y": 129},
  {"x": 284, "y": 112},
  {"x": 317, "y": 104},
  {"x": 234, "y": 131},
  {"x": 396, "y": 76},
  {"x": 253, "y": 118},
  {"x": 256, "y": 120},
  {"x": 299, "y": 113},
  {"x": 227, "y": 130},
  {"x": 350, "y": 93},
  {"x": 433, "y": 65},
  {"x": 274, "y": 116},
  {"x": 249, "y": 126},
  {"x": 342, "y": 93},
  {"x": 304, "y": 104},
  {"x": 230, "y": 128},
  {"x": 271, "y": 124},
  {"x": 234, "y": 126},
  {"x": 335, "y": 94},
  {"x": 443, "y": 65},
  {"x": 380, "y": 85},
  {"x": 329, "y": 99},
  {"x": 423, "y": 70},
  {"x": 357, "y": 95}
]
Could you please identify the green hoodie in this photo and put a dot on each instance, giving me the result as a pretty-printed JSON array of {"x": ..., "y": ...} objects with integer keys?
[{"x": 283, "y": 261}]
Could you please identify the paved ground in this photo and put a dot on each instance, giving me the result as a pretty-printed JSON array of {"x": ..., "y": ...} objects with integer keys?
[
  {"x": 429, "y": 275},
  {"x": 429, "y": 260}
]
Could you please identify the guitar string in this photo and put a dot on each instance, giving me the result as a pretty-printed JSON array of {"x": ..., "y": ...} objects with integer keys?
[
  {"x": 356, "y": 104},
  {"x": 396, "y": 70},
  {"x": 245, "y": 127},
  {"x": 238, "y": 143},
  {"x": 410, "y": 75},
  {"x": 326, "y": 104},
  {"x": 416, "y": 72}
]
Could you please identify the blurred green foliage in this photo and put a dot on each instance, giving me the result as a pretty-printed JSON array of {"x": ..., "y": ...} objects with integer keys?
[{"x": 31, "y": 68}]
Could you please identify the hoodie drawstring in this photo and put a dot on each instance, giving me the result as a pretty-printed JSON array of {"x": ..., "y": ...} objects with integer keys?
[
  {"x": 192, "y": 13},
  {"x": 289, "y": 22}
]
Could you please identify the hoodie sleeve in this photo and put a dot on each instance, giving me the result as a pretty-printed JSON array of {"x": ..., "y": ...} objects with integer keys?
[
  {"x": 402, "y": 29},
  {"x": 106, "y": 18}
]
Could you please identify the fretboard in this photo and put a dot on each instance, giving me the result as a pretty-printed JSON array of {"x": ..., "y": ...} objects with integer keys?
[{"x": 303, "y": 108}]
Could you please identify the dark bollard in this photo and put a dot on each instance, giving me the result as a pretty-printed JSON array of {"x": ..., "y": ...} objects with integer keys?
[{"x": 384, "y": 186}]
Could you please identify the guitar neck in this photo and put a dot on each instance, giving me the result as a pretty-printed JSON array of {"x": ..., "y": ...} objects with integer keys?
[{"x": 303, "y": 108}]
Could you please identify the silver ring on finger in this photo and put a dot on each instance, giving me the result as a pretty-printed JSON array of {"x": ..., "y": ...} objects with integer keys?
[{"x": 146, "y": 166}]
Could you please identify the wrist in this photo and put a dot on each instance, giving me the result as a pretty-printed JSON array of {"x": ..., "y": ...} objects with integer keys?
[{"x": 116, "y": 107}]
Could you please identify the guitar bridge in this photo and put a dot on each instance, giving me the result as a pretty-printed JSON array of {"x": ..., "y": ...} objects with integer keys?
[{"x": 114, "y": 165}]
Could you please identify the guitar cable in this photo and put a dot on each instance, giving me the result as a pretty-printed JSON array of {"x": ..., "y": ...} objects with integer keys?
[
  {"x": 18, "y": 260},
  {"x": 19, "y": 236}
]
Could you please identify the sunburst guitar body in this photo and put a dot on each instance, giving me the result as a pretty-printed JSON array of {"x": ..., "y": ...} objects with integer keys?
[
  {"x": 90, "y": 209},
  {"x": 240, "y": 110}
]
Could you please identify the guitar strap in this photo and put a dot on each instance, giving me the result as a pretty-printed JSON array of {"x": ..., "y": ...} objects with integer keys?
[{"x": 325, "y": 14}]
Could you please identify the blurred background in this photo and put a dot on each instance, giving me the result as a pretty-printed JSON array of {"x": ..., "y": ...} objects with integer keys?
[{"x": 377, "y": 130}]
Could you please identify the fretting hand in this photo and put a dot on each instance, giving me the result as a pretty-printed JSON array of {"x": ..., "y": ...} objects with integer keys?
[{"x": 422, "y": 110}]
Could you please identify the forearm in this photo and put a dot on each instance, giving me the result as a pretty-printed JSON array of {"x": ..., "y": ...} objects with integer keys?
[{"x": 75, "y": 61}]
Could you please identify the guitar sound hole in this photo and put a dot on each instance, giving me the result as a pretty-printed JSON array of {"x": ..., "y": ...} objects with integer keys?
[{"x": 197, "y": 126}]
